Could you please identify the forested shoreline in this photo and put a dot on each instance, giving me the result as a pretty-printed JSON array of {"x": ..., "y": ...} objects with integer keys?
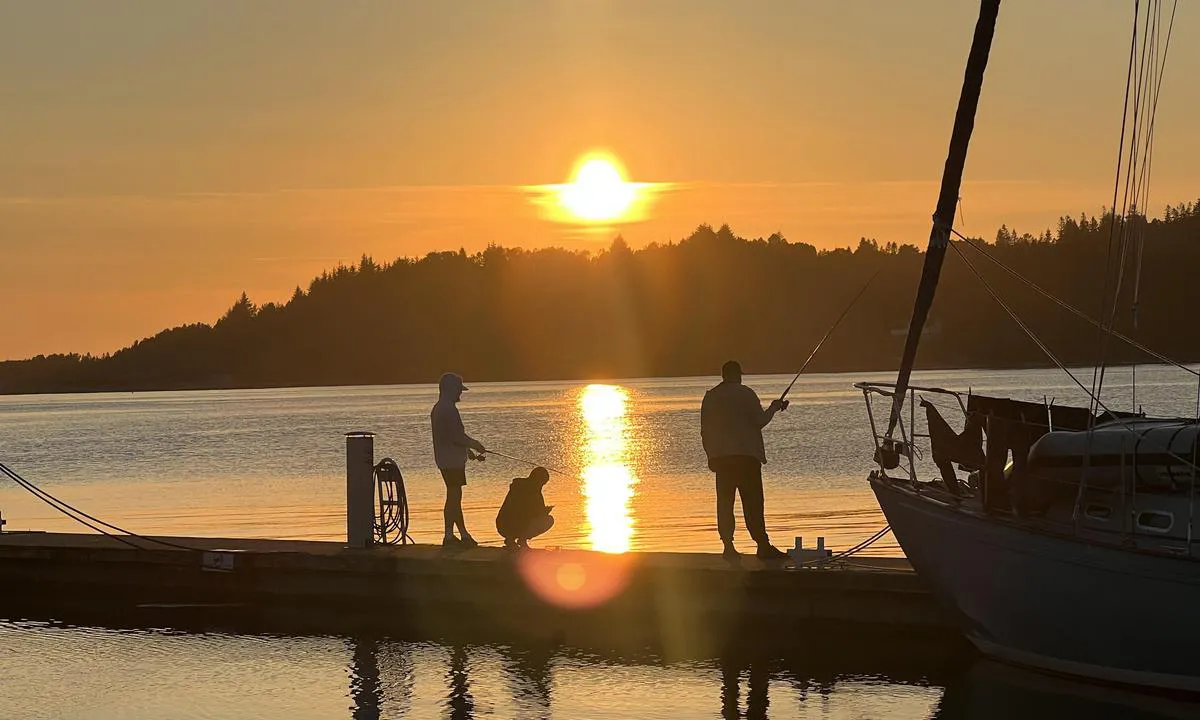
[{"x": 672, "y": 309}]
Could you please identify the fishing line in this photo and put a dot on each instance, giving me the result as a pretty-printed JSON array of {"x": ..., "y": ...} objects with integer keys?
[
  {"x": 828, "y": 333},
  {"x": 531, "y": 463}
]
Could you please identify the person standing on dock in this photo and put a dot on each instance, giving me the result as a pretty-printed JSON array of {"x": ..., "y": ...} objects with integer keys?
[
  {"x": 452, "y": 447},
  {"x": 731, "y": 423}
]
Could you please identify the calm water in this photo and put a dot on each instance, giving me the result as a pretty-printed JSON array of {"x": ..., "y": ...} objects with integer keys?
[
  {"x": 84, "y": 673},
  {"x": 270, "y": 463}
]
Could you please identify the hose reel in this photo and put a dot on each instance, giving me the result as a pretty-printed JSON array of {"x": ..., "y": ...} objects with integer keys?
[{"x": 391, "y": 509}]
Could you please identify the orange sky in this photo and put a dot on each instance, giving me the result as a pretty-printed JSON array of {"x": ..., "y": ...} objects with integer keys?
[{"x": 159, "y": 157}]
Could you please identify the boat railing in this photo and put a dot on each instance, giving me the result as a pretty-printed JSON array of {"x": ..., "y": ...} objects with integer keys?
[
  {"x": 888, "y": 389},
  {"x": 908, "y": 431}
]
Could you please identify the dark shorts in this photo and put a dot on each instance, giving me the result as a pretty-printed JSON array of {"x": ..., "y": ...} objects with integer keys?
[
  {"x": 739, "y": 465},
  {"x": 454, "y": 477}
]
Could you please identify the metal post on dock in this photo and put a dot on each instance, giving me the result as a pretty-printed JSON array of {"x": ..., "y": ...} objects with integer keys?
[{"x": 360, "y": 489}]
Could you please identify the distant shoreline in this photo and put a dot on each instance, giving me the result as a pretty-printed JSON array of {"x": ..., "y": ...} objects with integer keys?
[
  {"x": 674, "y": 310},
  {"x": 597, "y": 379}
]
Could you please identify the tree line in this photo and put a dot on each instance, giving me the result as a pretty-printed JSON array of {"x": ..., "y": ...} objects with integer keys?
[{"x": 679, "y": 308}]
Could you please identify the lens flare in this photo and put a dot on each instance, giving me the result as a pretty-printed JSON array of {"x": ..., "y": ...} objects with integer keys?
[
  {"x": 570, "y": 577},
  {"x": 575, "y": 579}
]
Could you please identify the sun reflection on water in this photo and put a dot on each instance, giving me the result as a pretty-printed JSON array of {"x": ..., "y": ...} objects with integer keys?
[{"x": 608, "y": 480}]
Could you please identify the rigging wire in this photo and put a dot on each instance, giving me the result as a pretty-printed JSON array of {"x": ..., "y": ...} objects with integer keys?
[
  {"x": 1131, "y": 230},
  {"x": 1020, "y": 323},
  {"x": 77, "y": 515},
  {"x": 1116, "y": 419},
  {"x": 1147, "y": 163},
  {"x": 962, "y": 239},
  {"x": 1097, "y": 373},
  {"x": 1158, "y": 72},
  {"x": 1128, "y": 223}
]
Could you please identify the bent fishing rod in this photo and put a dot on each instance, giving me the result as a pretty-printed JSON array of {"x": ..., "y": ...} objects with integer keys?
[{"x": 829, "y": 332}]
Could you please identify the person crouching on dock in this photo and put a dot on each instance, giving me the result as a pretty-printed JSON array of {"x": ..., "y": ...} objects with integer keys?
[
  {"x": 452, "y": 447},
  {"x": 524, "y": 514}
]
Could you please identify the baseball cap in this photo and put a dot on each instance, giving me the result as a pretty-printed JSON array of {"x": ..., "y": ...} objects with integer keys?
[{"x": 451, "y": 381}]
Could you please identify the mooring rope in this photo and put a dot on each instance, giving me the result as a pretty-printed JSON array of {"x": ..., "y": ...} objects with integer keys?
[
  {"x": 79, "y": 516},
  {"x": 863, "y": 545}
]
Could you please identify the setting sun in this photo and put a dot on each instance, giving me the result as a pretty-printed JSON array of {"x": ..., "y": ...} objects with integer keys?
[{"x": 597, "y": 192}]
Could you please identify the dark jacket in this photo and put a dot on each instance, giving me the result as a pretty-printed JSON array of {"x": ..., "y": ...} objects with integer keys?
[{"x": 523, "y": 504}]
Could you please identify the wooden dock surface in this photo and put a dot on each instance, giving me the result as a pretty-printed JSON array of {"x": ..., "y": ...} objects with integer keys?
[
  {"x": 484, "y": 553},
  {"x": 657, "y": 598}
]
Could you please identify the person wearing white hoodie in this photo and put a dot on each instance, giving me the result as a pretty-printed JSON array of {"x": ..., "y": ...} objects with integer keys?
[{"x": 452, "y": 447}]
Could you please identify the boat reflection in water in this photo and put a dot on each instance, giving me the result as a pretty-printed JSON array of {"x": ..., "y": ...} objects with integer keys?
[{"x": 608, "y": 480}]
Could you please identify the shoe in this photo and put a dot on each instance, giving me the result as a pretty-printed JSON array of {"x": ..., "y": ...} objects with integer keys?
[
  {"x": 770, "y": 552},
  {"x": 468, "y": 542},
  {"x": 511, "y": 545},
  {"x": 450, "y": 541},
  {"x": 730, "y": 552}
]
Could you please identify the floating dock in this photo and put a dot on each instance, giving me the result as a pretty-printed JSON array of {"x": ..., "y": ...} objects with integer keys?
[{"x": 685, "y": 602}]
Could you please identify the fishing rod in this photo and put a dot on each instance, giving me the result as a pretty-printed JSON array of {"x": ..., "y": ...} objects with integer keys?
[{"x": 829, "y": 332}]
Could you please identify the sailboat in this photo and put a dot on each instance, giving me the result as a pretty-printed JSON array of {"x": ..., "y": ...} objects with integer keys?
[{"x": 1069, "y": 546}]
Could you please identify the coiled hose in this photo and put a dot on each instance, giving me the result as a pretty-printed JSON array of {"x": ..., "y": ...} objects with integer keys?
[{"x": 391, "y": 511}]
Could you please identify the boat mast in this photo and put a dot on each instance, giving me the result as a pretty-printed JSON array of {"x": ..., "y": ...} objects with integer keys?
[{"x": 943, "y": 217}]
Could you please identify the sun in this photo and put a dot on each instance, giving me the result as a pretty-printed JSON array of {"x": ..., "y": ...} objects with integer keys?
[
  {"x": 597, "y": 191},
  {"x": 598, "y": 197}
]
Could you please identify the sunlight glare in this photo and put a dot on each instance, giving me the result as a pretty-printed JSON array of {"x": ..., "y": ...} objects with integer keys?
[
  {"x": 597, "y": 196},
  {"x": 608, "y": 482},
  {"x": 597, "y": 192}
]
